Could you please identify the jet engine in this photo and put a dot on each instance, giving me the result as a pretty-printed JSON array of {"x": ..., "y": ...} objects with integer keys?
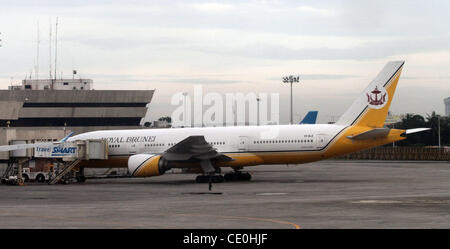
[{"x": 147, "y": 165}]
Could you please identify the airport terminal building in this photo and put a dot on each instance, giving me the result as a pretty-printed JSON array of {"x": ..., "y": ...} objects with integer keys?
[
  {"x": 73, "y": 105},
  {"x": 39, "y": 110}
]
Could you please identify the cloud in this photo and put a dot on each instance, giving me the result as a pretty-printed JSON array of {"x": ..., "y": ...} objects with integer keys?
[
  {"x": 120, "y": 78},
  {"x": 309, "y": 10},
  {"x": 212, "y": 7},
  {"x": 319, "y": 77},
  {"x": 119, "y": 42},
  {"x": 366, "y": 51},
  {"x": 202, "y": 81}
]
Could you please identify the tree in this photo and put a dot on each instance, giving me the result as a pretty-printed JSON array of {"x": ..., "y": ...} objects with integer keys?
[
  {"x": 435, "y": 121},
  {"x": 428, "y": 138}
]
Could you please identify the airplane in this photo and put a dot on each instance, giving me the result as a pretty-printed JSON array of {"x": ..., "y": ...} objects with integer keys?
[
  {"x": 310, "y": 118},
  {"x": 205, "y": 150}
]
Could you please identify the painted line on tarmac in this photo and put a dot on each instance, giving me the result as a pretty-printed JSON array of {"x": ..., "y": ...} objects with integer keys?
[
  {"x": 271, "y": 194},
  {"x": 245, "y": 218}
]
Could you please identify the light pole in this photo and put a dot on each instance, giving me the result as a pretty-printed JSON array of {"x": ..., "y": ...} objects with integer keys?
[
  {"x": 257, "y": 112},
  {"x": 291, "y": 79},
  {"x": 439, "y": 130},
  {"x": 185, "y": 109}
]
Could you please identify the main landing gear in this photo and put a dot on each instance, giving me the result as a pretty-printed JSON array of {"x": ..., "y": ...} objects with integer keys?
[
  {"x": 237, "y": 176},
  {"x": 213, "y": 175},
  {"x": 229, "y": 177}
]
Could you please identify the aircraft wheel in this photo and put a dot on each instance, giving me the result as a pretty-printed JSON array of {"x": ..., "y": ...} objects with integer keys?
[
  {"x": 237, "y": 176},
  {"x": 40, "y": 178},
  {"x": 25, "y": 178},
  {"x": 245, "y": 177},
  {"x": 201, "y": 179},
  {"x": 81, "y": 179},
  {"x": 217, "y": 178},
  {"x": 229, "y": 176}
]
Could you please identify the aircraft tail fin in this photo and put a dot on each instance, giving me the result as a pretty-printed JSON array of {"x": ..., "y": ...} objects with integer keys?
[
  {"x": 310, "y": 118},
  {"x": 66, "y": 137},
  {"x": 372, "y": 105}
]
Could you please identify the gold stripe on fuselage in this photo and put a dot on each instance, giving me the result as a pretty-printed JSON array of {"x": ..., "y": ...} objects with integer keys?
[{"x": 339, "y": 146}]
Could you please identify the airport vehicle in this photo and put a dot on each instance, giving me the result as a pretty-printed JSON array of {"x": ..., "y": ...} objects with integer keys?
[
  {"x": 39, "y": 176},
  {"x": 151, "y": 152},
  {"x": 12, "y": 180},
  {"x": 27, "y": 175}
]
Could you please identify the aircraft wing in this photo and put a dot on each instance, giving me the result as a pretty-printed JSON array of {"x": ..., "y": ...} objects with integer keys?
[
  {"x": 310, "y": 118},
  {"x": 193, "y": 148},
  {"x": 411, "y": 131},
  {"x": 374, "y": 133},
  {"x": 382, "y": 132}
]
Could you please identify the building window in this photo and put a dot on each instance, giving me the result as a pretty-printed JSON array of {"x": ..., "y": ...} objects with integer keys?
[
  {"x": 27, "y": 86},
  {"x": 66, "y": 83}
]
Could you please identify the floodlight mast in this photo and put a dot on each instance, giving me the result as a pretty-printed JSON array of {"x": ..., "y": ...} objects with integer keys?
[{"x": 291, "y": 79}]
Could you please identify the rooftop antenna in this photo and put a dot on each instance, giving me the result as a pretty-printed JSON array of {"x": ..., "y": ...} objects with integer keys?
[
  {"x": 37, "y": 54},
  {"x": 56, "y": 45},
  {"x": 50, "y": 49}
]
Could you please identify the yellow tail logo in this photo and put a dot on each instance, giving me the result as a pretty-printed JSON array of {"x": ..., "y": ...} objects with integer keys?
[{"x": 371, "y": 107}]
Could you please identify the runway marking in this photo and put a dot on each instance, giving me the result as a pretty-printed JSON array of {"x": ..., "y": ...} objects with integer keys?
[
  {"x": 245, "y": 218},
  {"x": 270, "y": 194},
  {"x": 401, "y": 202},
  {"x": 203, "y": 193},
  {"x": 376, "y": 202}
]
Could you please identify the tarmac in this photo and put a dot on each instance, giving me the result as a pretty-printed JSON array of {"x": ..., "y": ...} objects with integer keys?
[{"x": 326, "y": 194}]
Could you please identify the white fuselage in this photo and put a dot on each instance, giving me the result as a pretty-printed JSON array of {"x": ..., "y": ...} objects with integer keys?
[{"x": 225, "y": 139}]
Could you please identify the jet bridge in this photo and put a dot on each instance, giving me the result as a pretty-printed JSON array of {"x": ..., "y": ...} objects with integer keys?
[
  {"x": 93, "y": 149},
  {"x": 66, "y": 157},
  {"x": 72, "y": 154}
]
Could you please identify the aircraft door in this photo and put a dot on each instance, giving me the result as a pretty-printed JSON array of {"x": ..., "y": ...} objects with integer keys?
[
  {"x": 321, "y": 140},
  {"x": 132, "y": 148},
  {"x": 243, "y": 143}
]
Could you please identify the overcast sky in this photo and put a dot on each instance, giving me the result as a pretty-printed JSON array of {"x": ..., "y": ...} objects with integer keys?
[{"x": 228, "y": 46}]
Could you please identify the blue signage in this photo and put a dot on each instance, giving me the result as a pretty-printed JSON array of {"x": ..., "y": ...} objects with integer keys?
[{"x": 63, "y": 151}]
